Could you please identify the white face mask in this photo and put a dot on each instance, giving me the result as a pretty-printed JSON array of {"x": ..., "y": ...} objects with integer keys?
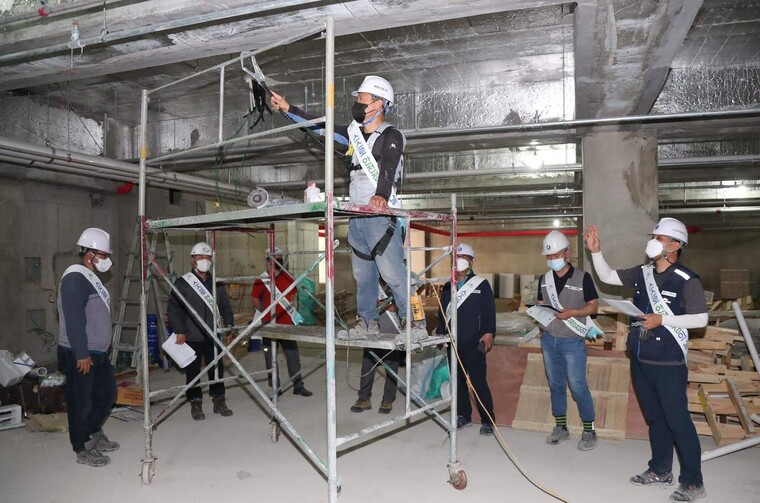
[
  {"x": 103, "y": 264},
  {"x": 203, "y": 265},
  {"x": 654, "y": 249},
  {"x": 462, "y": 265},
  {"x": 556, "y": 264}
]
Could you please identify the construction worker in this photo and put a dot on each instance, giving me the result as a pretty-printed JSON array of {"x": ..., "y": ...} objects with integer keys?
[
  {"x": 196, "y": 287},
  {"x": 286, "y": 314},
  {"x": 572, "y": 294},
  {"x": 374, "y": 161},
  {"x": 84, "y": 313},
  {"x": 389, "y": 323},
  {"x": 672, "y": 300},
  {"x": 476, "y": 324}
]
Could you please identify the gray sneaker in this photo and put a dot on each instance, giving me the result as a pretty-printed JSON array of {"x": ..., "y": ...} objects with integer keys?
[
  {"x": 649, "y": 478},
  {"x": 99, "y": 441},
  {"x": 559, "y": 433},
  {"x": 688, "y": 493},
  {"x": 587, "y": 441},
  {"x": 360, "y": 331},
  {"x": 418, "y": 332},
  {"x": 92, "y": 457}
]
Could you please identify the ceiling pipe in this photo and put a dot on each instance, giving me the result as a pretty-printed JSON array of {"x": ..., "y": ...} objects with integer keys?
[
  {"x": 492, "y": 234},
  {"x": 419, "y": 134},
  {"x": 51, "y": 159},
  {"x": 171, "y": 26}
]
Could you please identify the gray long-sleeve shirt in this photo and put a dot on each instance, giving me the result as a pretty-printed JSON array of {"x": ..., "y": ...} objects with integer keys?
[{"x": 84, "y": 319}]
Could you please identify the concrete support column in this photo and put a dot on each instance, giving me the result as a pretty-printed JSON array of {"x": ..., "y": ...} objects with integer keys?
[
  {"x": 12, "y": 308},
  {"x": 620, "y": 197}
]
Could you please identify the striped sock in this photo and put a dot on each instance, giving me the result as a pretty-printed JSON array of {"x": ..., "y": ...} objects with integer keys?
[
  {"x": 588, "y": 426},
  {"x": 561, "y": 421}
]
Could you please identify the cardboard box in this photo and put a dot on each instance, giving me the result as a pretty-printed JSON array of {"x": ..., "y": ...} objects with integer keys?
[{"x": 129, "y": 396}]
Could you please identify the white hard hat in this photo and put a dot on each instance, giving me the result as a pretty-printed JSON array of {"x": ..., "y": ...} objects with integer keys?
[
  {"x": 465, "y": 249},
  {"x": 96, "y": 239},
  {"x": 554, "y": 242},
  {"x": 376, "y": 86},
  {"x": 201, "y": 248},
  {"x": 277, "y": 252},
  {"x": 672, "y": 228}
]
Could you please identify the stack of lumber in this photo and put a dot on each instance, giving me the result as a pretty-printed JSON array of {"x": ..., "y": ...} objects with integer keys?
[
  {"x": 724, "y": 391},
  {"x": 608, "y": 380}
]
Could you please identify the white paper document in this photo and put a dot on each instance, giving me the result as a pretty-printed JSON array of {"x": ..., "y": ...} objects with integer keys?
[
  {"x": 624, "y": 306},
  {"x": 182, "y": 354},
  {"x": 542, "y": 314}
]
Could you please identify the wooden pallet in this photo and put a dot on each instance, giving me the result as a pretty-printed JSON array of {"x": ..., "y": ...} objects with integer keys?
[
  {"x": 608, "y": 380},
  {"x": 727, "y": 407}
]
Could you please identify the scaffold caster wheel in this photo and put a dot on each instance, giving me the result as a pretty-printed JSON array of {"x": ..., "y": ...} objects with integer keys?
[
  {"x": 458, "y": 479},
  {"x": 275, "y": 433},
  {"x": 147, "y": 471}
]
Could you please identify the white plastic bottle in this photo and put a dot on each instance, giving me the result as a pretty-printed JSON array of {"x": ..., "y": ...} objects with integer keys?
[{"x": 311, "y": 194}]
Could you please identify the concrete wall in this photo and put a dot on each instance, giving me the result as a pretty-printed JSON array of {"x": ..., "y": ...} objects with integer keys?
[{"x": 710, "y": 251}]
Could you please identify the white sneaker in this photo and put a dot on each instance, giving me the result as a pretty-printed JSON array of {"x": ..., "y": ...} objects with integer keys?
[
  {"x": 360, "y": 331},
  {"x": 418, "y": 332}
]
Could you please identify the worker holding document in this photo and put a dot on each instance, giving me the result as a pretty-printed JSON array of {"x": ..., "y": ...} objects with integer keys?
[
  {"x": 672, "y": 300},
  {"x": 570, "y": 298}
]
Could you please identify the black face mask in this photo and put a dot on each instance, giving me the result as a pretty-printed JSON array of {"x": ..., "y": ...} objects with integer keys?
[{"x": 359, "y": 111}]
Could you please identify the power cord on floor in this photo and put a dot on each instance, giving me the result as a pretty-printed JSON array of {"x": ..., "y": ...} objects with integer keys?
[{"x": 499, "y": 438}]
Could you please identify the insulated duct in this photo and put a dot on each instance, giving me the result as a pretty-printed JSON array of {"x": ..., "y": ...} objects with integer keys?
[{"x": 51, "y": 159}]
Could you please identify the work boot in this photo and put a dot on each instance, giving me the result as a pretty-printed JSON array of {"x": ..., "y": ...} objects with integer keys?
[
  {"x": 587, "y": 441},
  {"x": 559, "y": 433},
  {"x": 688, "y": 493},
  {"x": 649, "y": 478},
  {"x": 360, "y": 331},
  {"x": 486, "y": 429},
  {"x": 361, "y": 405},
  {"x": 220, "y": 406},
  {"x": 418, "y": 332},
  {"x": 385, "y": 407},
  {"x": 196, "y": 410},
  {"x": 300, "y": 389},
  {"x": 92, "y": 457},
  {"x": 100, "y": 442}
]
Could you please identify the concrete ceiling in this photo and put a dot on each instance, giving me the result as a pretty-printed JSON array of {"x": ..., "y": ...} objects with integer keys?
[{"x": 458, "y": 63}]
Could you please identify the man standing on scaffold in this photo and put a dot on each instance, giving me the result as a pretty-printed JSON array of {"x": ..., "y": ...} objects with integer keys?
[{"x": 374, "y": 161}]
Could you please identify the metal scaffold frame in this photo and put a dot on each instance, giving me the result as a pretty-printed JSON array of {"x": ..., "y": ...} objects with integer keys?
[{"x": 327, "y": 211}]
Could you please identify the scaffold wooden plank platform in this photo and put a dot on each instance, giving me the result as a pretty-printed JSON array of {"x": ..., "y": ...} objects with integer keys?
[{"x": 316, "y": 335}]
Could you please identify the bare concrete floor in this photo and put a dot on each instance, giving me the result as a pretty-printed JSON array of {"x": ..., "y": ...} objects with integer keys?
[{"x": 234, "y": 460}]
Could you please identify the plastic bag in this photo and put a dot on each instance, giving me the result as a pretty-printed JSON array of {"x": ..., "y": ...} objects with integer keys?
[
  {"x": 423, "y": 368},
  {"x": 306, "y": 303},
  {"x": 440, "y": 376}
]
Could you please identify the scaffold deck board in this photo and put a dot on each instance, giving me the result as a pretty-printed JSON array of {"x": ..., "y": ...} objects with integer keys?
[{"x": 316, "y": 335}]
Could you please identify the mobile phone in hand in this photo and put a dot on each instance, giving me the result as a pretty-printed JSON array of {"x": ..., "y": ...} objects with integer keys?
[{"x": 482, "y": 346}]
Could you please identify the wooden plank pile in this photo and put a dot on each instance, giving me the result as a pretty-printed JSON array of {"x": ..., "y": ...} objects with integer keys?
[
  {"x": 608, "y": 380},
  {"x": 724, "y": 390}
]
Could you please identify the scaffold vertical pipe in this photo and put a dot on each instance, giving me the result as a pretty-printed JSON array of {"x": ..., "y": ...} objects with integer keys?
[
  {"x": 408, "y": 313},
  {"x": 454, "y": 335},
  {"x": 332, "y": 455},
  {"x": 143, "y": 334},
  {"x": 215, "y": 312},
  {"x": 221, "y": 104}
]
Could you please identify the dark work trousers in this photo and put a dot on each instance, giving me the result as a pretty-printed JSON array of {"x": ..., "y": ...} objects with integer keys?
[
  {"x": 89, "y": 397},
  {"x": 475, "y": 364},
  {"x": 293, "y": 360},
  {"x": 661, "y": 390},
  {"x": 204, "y": 351},
  {"x": 370, "y": 365}
]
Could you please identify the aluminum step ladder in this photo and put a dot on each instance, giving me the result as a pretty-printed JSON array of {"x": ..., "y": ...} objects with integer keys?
[{"x": 128, "y": 349}]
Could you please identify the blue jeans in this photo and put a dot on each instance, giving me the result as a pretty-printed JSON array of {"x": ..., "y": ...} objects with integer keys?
[
  {"x": 565, "y": 365},
  {"x": 89, "y": 397},
  {"x": 363, "y": 235},
  {"x": 661, "y": 390}
]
